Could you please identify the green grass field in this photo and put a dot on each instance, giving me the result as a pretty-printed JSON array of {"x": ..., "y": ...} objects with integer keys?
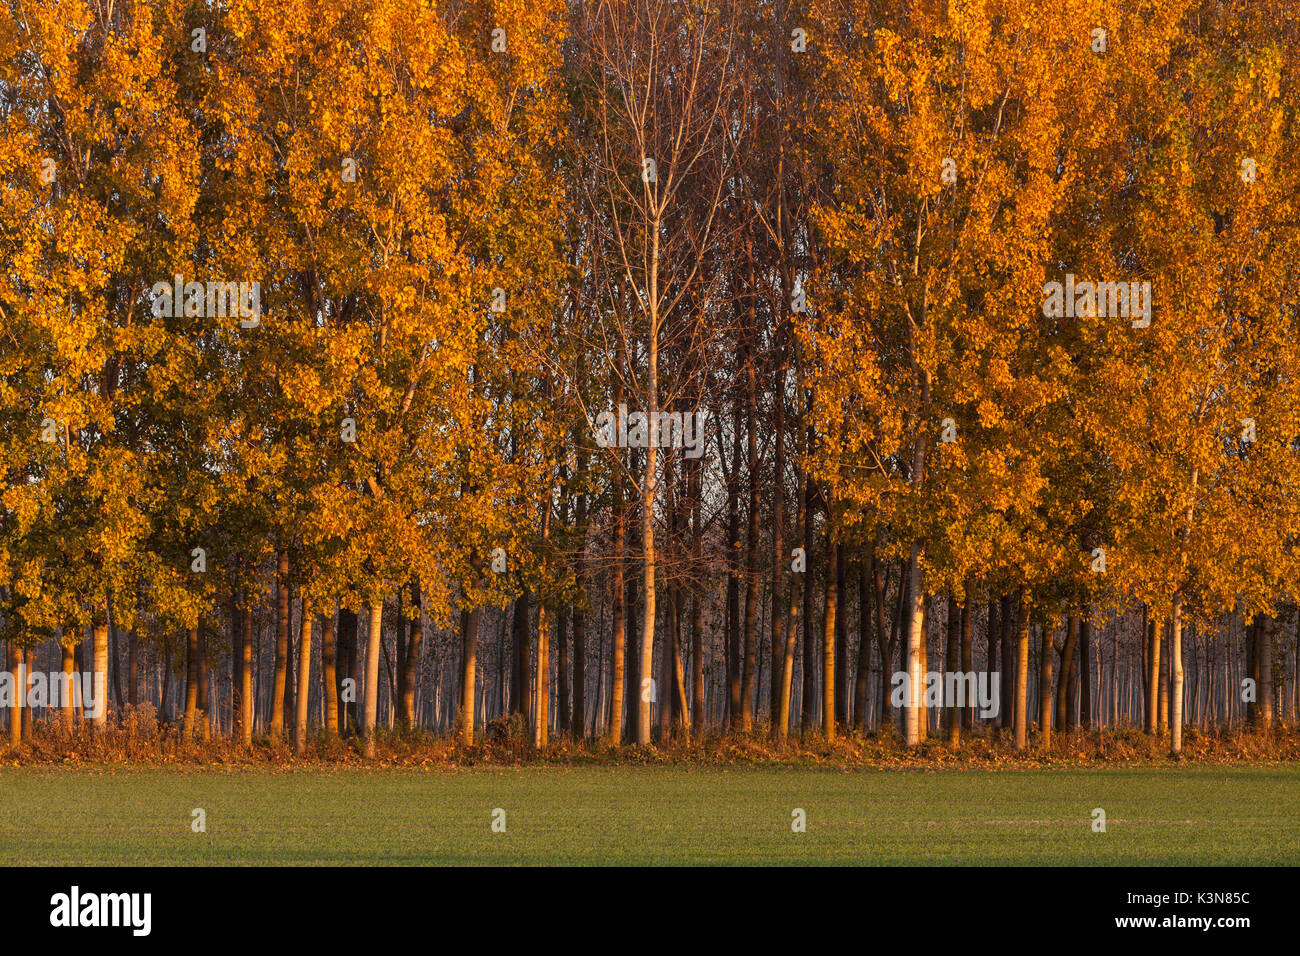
[{"x": 658, "y": 815}]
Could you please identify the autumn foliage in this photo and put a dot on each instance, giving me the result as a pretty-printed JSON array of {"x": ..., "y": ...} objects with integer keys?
[{"x": 986, "y": 310}]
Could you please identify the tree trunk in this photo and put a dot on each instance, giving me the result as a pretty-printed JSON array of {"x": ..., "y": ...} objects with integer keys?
[
  {"x": 1176, "y": 668},
  {"x": 1114, "y": 676},
  {"x": 562, "y": 712},
  {"x": 915, "y": 714},
  {"x": 992, "y": 661},
  {"x": 617, "y": 662},
  {"x": 785, "y": 700},
  {"x": 133, "y": 668},
  {"x": 916, "y": 718},
  {"x": 204, "y": 724},
  {"x": 648, "y": 595},
  {"x": 841, "y": 640},
  {"x": 752, "y": 566},
  {"x": 1251, "y": 646},
  {"x": 329, "y": 679},
  {"x": 863, "y": 675},
  {"x": 828, "y": 651},
  {"x": 290, "y": 678},
  {"x": 1163, "y": 638},
  {"x": 191, "y": 684},
  {"x": 541, "y": 725},
  {"x": 1072, "y": 696},
  {"x": 114, "y": 659},
  {"x": 667, "y": 688},
  {"x": 697, "y": 605},
  {"x": 469, "y": 621},
  {"x": 398, "y": 678},
  {"x": 521, "y": 689},
  {"x": 99, "y": 680},
  {"x": 1067, "y": 673},
  {"x": 246, "y": 681},
  {"x": 304, "y": 682},
  {"x": 806, "y": 712},
  {"x": 69, "y": 700},
  {"x": 967, "y": 654},
  {"x": 371, "y": 717},
  {"x": 1045, "y": 687},
  {"x": 79, "y": 651},
  {"x": 1264, "y": 689},
  {"x": 578, "y": 723},
  {"x": 279, "y": 675},
  {"x": 681, "y": 711},
  {"x": 29, "y": 723},
  {"x": 164, "y": 700},
  {"x": 1085, "y": 669},
  {"x": 645, "y": 669},
  {"x": 952, "y": 713},
  {"x": 632, "y": 685},
  {"x": 925, "y": 662},
  {"x": 411, "y": 659},
  {"x": 236, "y": 664},
  {"x": 732, "y": 640},
  {"x": 1022, "y": 677},
  {"x": 1009, "y": 654},
  {"x": 1295, "y": 670},
  {"x": 886, "y": 637},
  {"x": 1153, "y": 678},
  {"x": 19, "y": 671},
  {"x": 778, "y": 564}
]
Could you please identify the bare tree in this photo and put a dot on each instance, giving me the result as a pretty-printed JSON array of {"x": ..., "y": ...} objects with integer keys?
[{"x": 662, "y": 148}]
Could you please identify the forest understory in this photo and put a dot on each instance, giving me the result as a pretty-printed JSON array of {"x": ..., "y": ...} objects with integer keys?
[{"x": 140, "y": 739}]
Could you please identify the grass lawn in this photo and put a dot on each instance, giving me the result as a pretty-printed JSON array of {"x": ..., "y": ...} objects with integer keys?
[{"x": 621, "y": 815}]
